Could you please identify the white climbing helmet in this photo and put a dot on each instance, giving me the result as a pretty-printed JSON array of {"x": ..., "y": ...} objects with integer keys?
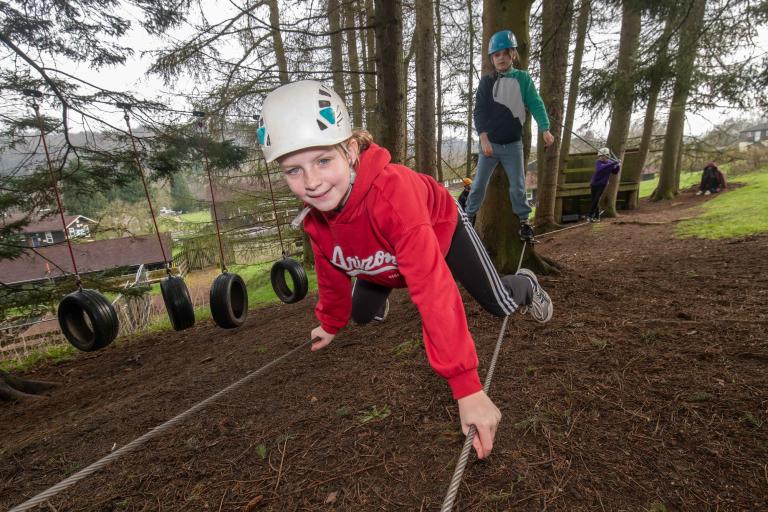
[
  {"x": 603, "y": 152},
  {"x": 301, "y": 115}
]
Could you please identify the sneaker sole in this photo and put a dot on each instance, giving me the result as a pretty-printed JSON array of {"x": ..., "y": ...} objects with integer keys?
[{"x": 536, "y": 311}]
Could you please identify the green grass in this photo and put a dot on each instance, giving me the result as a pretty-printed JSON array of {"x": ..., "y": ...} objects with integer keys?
[
  {"x": 201, "y": 216},
  {"x": 738, "y": 212},
  {"x": 687, "y": 179},
  {"x": 51, "y": 354},
  {"x": 259, "y": 286}
]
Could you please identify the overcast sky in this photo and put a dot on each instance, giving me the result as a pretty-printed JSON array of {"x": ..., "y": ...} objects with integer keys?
[{"x": 132, "y": 77}]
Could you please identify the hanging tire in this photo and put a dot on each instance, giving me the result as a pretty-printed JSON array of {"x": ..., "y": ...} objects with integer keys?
[
  {"x": 229, "y": 301},
  {"x": 286, "y": 293},
  {"x": 88, "y": 320},
  {"x": 177, "y": 302}
]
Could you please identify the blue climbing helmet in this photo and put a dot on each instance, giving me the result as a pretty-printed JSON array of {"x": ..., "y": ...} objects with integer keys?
[{"x": 501, "y": 40}]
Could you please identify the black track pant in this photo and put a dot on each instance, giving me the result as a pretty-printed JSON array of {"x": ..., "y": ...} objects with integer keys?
[
  {"x": 597, "y": 192},
  {"x": 471, "y": 266}
]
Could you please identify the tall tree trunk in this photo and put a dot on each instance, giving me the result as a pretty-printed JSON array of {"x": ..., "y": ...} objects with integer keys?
[
  {"x": 354, "y": 65},
  {"x": 686, "y": 55},
  {"x": 406, "y": 66},
  {"x": 438, "y": 82},
  {"x": 496, "y": 223},
  {"x": 573, "y": 95},
  {"x": 623, "y": 97},
  {"x": 337, "y": 54},
  {"x": 369, "y": 46},
  {"x": 556, "y": 34},
  {"x": 470, "y": 87},
  {"x": 678, "y": 164},
  {"x": 658, "y": 76},
  {"x": 573, "y": 88},
  {"x": 424, "y": 127},
  {"x": 277, "y": 41},
  {"x": 389, "y": 72}
]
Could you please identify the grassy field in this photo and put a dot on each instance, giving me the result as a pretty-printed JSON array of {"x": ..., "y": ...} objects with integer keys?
[
  {"x": 687, "y": 179},
  {"x": 738, "y": 212},
  {"x": 201, "y": 216}
]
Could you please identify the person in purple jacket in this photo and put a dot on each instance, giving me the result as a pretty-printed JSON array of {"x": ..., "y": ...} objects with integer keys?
[{"x": 604, "y": 167}]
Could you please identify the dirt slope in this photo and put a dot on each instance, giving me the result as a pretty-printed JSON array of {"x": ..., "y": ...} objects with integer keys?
[{"x": 648, "y": 388}]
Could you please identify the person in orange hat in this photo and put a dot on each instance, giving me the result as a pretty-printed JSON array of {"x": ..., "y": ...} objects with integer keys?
[{"x": 465, "y": 193}]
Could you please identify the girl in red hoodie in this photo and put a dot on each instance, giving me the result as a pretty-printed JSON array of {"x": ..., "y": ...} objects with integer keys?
[{"x": 389, "y": 227}]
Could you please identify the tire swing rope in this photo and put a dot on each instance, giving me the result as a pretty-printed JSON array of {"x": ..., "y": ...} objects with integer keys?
[
  {"x": 44, "y": 496},
  {"x": 103, "y": 324},
  {"x": 175, "y": 293},
  {"x": 286, "y": 264},
  {"x": 228, "y": 295}
]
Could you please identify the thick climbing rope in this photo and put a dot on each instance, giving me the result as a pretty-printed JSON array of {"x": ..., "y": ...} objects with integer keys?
[
  {"x": 126, "y": 107},
  {"x": 68, "y": 482},
  {"x": 37, "y": 94},
  {"x": 204, "y": 146},
  {"x": 458, "y": 472},
  {"x": 453, "y": 488}
]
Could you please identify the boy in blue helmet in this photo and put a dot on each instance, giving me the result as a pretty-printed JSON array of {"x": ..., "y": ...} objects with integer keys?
[{"x": 500, "y": 104}]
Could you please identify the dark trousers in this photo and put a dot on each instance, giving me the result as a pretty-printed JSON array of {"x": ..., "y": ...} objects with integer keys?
[
  {"x": 597, "y": 192},
  {"x": 471, "y": 266}
]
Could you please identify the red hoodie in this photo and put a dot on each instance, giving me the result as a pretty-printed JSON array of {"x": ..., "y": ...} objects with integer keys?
[{"x": 395, "y": 231}]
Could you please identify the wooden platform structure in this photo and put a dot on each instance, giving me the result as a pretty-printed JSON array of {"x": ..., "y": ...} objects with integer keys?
[{"x": 573, "y": 197}]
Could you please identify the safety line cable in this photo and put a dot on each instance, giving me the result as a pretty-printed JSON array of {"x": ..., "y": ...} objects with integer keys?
[
  {"x": 453, "y": 488},
  {"x": 45, "y": 495},
  {"x": 136, "y": 157},
  {"x": 36, "y": 94},
  {"x": 580, "y": 224},
  {"x": 204, "y": 145}
]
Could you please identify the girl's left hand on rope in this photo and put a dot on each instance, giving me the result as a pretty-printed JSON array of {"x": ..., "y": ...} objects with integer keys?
[
  {"x": 324, "y": 338},
  {"x": 478, "y": 410}
]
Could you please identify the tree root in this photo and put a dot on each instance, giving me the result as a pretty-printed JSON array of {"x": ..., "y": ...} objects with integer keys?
[{"x": 14, "y": 388}]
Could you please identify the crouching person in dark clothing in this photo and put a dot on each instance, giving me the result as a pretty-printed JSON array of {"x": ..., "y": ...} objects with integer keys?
[{"x": 712, "y": 180}]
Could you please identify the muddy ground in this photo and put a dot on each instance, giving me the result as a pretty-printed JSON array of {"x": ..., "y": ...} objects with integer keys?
[{"x": 647, "y": 391}]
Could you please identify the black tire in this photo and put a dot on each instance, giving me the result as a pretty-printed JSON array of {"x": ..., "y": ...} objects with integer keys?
[
  {"x": 229, "y": 301},
  {"x": 88, "y": 320},
  {"x": 285, "y": 293},
  {"x": 177, "y": 302}
]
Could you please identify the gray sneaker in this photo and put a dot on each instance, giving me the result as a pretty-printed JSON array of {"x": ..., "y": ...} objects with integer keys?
[{"x": 541, "y": 305}]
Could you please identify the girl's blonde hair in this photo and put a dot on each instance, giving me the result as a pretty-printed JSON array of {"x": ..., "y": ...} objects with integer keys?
[{"x": 363, "y": 138}]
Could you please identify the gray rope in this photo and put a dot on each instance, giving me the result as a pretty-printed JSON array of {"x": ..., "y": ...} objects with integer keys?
[
  {"x": 458, "y": 473},
  {"x": 520, "y": 263},
  {"x": 45, "y": 495},
  {"x": 580, "y": 224},
  {"x": 453, "y": 488}
]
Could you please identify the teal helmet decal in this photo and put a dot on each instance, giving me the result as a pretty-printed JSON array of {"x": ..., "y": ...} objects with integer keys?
[
  {"x": 261, "y": 133},
  {"x": 501, "y": 40}
]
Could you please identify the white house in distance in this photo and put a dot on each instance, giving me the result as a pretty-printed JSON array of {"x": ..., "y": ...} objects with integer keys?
[
  {"x": 757, "y": 134},
  {"x": 48, "y": 231}
]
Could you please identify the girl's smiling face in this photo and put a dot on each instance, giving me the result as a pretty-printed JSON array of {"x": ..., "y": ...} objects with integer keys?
[{"x": 319, "y": 176}]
